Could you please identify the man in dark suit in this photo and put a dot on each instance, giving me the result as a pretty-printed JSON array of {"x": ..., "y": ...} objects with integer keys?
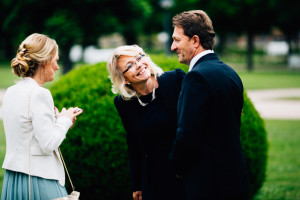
[{"x": 207, "y": 150}]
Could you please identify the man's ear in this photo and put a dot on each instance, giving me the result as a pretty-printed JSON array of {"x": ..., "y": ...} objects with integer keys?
[{"x": 196, "y": 41}]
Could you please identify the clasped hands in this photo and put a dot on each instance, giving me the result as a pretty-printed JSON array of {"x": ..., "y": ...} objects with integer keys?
[{"x": 71, "y": 113}]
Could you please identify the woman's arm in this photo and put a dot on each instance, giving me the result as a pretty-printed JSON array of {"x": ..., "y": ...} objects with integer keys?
[
  {"x": 48, "y": 131},
  {"x": 133, "y": 145}
]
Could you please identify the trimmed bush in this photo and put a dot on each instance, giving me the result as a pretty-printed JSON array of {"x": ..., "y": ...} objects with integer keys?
[
  {"x": 95, "y": 149},
  {"x": 254, "y": 144}
]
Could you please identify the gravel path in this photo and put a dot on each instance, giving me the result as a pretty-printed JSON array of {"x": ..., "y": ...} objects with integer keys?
[
  {"x": 271, "y": 104},
  {"x": 277, "y": 103}
]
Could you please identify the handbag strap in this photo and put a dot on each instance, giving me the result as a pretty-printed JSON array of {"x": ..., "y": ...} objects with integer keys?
[
  {"x": 29, "y": 180},
  {"x": 73, "y": 188},
  {"x": 29, "y": 176}
]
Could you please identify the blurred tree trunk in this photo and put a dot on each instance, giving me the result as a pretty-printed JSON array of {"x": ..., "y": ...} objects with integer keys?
[
  {"x": 221, "y": 43},
  {"x": 9, "y": 51},
  {"x": 130, "y": 37},
  {"x": 66, "y": 61},
  {"x": 289, "y": 41},
  {"x": 250, "y": 50}
]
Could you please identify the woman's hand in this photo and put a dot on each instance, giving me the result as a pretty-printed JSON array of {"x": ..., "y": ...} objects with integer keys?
[
  {"x": 71, "y": 113},
  {"x": 137, "y": 195}
]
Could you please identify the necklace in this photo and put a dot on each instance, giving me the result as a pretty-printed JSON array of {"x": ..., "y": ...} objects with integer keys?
[{"x": 153, "y": 96}]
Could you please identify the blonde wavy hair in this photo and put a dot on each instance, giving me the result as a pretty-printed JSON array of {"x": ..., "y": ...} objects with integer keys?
[
  {"x": 116, "y": 76},
  {"x": 36, "y": 49}
]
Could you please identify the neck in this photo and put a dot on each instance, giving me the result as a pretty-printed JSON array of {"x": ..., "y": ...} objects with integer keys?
[
  {"x": 199, "y": 50},
  {"x": 146, "y": 87},
  {"x": 39, "y": 77}
]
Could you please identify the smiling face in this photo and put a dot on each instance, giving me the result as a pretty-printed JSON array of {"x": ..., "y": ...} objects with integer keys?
[
  {"x": 136, "y": 69},
  {"x": 183, "y": 46}
]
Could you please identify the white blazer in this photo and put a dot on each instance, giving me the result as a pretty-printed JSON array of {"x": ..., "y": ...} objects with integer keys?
[{"x": 46, "y": 133}]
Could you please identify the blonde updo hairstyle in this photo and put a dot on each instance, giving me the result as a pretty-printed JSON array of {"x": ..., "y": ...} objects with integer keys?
[
  {"x": 36, "y": 49},
  {"x": 116, "y": 76}
]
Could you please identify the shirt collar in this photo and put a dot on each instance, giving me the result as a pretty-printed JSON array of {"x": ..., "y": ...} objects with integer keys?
[{"x": 197, "y": 57}]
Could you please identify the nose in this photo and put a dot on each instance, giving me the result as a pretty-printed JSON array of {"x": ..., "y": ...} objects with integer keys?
[
  {"x": 173, "y": 46},
  {"x": 138, "y": 64}
]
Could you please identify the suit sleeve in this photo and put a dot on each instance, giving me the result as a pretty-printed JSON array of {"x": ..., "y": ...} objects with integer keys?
[
  {"x": 133, "y": 147},
  {"x": 48, "y": 131},
  {"x": 192, "y": 115}
]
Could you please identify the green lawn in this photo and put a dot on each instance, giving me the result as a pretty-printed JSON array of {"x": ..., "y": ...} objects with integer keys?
[
  {"x": 269, "y": 80},
  {"x": 2, "y": 153},
  {"x": 283, "y": 171},
  {"x": 7, "y": 77}
]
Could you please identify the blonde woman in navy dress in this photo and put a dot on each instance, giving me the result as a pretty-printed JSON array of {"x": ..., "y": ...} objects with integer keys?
[
  {"x": 44, "y": 131},
  {"x": 147, "y": 106}
]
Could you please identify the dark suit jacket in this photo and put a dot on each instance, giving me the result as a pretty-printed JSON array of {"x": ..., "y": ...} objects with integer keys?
[
  {"x": 207, "y": 148},
  {"x": 150, "y": 134}
]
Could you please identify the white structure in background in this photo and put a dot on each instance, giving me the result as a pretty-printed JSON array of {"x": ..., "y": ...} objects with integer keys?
[
  {"x": 163, "y": 37},
  {"x": 276, "y": 48},
  {"x": 90, "y": 54},
  {"x": 93, "y": 55},
  {"x": 294, "y": 61},
  {"x": 76, "y": 53}
]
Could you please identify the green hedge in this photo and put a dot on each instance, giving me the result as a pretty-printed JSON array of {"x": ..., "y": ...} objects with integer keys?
[{"x": 95, "y": 149}]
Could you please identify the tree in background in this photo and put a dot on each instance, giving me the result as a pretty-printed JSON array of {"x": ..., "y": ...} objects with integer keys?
[
  {"x": 287, "y": 18},
  {"x": 71, "y": 21},
  {"x": 83, "y": 21},
  {"x": 234, "y": 16}
]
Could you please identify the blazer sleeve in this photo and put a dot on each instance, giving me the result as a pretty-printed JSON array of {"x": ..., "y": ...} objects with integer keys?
[
  {"x": 48, "y": 131},
  {"x": 133, "y": 146},
  {"x": 192, "y": 114}
]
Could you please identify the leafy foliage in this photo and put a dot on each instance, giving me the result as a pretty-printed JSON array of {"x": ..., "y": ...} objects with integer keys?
[
  {"x": 254, "y": 144},
  {"x": 95, "y": 149}
]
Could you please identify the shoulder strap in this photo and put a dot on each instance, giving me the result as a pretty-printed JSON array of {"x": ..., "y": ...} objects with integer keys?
[
  {"x": 73, "y": 188},
  {"x": 29, "y": 180},
  {"x": 29, "y": 176}
]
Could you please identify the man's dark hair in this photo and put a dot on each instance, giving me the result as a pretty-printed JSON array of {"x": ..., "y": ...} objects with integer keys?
[{"x": 196, "y": 22}]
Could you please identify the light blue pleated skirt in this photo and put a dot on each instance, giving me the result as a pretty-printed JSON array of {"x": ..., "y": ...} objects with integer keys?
[{"x": 15, "y": 187}]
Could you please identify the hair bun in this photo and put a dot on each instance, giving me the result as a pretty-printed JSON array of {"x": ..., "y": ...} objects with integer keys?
[{"x": 23, "y": 66}]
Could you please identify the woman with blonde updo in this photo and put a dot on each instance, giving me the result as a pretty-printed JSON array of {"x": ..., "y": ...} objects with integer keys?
[{"x": 34, "y": 128}]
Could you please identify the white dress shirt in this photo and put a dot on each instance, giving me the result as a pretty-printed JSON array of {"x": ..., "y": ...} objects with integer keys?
[
  {"x": 197, "y": 57},
  {"x": 46, "y": 133}
]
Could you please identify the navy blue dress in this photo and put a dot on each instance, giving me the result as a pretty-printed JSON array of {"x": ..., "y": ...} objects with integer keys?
[{"x": 151, "y": 130}]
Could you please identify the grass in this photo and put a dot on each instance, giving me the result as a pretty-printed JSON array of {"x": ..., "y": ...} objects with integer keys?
[
  {"x": 270, "y": 75},
  {"x": 2, "y": 153},
  {"x": 7, "y": 77},
  {"x": 283, "y": 171},
  {"x": 269, "y": 80}
]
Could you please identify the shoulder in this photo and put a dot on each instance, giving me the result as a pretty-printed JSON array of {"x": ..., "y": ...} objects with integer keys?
[
  {"x": 175, "y": 76},
  {"x": 121, "y": 104},
  {"x": 118, "y": 100},
  {"x": 40, "y": 94},
  {"x": 40, "y": 91},
  {"x": 172, "y": 74}
]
